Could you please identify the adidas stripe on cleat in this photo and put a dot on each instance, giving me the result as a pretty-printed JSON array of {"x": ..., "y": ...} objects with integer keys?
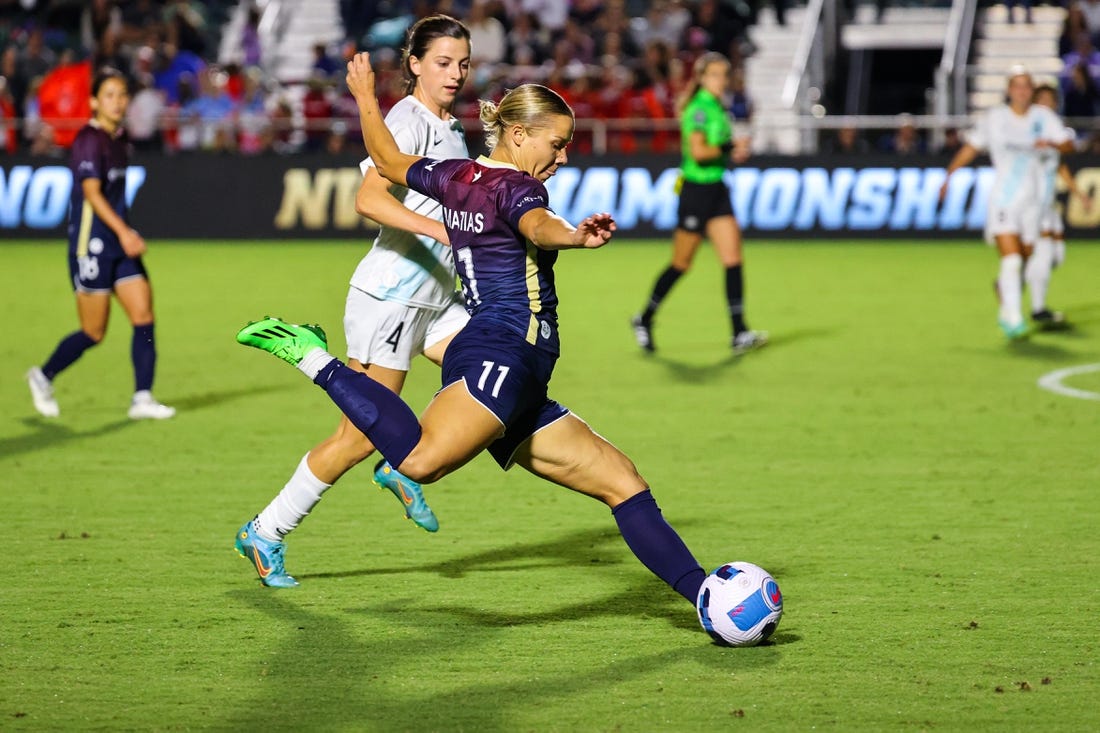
[{"x": 288, "y": 341}]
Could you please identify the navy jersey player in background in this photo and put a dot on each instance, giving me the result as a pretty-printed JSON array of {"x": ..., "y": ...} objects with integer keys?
[
  {"x": 505, "y": 240},
  {"x": 104, "y": 253}
]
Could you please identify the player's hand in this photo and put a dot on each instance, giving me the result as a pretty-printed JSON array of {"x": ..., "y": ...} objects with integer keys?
[
  {"x": 132, "y": 243},
  {"x": 742, "y": 150},
  {"x": 594, "y": 231},
  {"x": 1086, "y": 201},
  {"x": 360, "y": 78}
]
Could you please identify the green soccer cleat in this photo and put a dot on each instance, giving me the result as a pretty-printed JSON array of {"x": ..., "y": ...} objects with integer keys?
[
  {"x": 266, "y": 556},
  {"x": 408, "y": 492},
  {"x": 288, "y": 341}
]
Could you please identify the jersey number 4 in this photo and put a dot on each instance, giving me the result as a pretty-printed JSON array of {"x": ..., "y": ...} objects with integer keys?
[
  {"x": 502, "y": 372},
  {"x": 395, "y": 337}
]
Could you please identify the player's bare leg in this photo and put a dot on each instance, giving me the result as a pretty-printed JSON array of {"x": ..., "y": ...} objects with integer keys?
[
  {"x": 569, "y": 453},
  {"x": 684, "y": 246}
]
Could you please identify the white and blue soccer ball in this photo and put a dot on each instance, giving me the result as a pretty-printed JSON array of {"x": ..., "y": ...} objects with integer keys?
[{"x": 739, "y": 604}]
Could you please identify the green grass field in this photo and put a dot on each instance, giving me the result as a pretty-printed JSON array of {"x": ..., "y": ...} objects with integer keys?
[{"x": 931, "y": 515}]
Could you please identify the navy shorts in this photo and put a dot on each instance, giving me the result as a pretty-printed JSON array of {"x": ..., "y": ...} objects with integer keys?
[
  {"x": 101, "y": 266},
  {"x": 509, "y": 377},
  {"x": 701, "y": 202}
]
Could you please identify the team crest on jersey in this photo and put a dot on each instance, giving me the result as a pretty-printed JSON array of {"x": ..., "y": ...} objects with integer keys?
[
  {"x": 544, "y": 330},
  {"x": 95, "y": 245}
]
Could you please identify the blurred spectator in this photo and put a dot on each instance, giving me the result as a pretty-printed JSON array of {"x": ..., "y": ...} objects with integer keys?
[
  {"x": 216, "y": 111},
  {"x": 324, "y": 64},
  {"x": 952, "y": 141},
  {"x": 32, "y": 112},
  {"x": 184, "y": 131},
  {"x": 1084, "y": 53},
  {"x": 1086, "y": 15},
  {"x": 37, "y": 59},
  {"x": 740, "y": 103},
  {"x": 282, "y": 128},
  {"x": 526, "y": 42},
  {"x": 665, "y": 21},
  {"x": 100, "y": 18},
  {"x": 185, "y": 23},
  {"x": 143, "y": 116},
  {"x": 141, "y": 22},
  {"x": 316, "y": 111},
  {"x": 906, "y": 140},
  {"x": 174, "y": 65},
  {"x": 1081, "y": 96},
  {"x": 846, "y": 141},
  {"x": 488, "y": 41},
  {"x": 551, "y": 13},
  {"x": 9, "y": 136},
  {"x": 250, "y": 39},
  {"x": 253, "y": 127},
  {"x": 12, "y": 72}
]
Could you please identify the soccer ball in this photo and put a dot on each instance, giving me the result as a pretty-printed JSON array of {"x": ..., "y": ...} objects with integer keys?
[{"x": 739, "y": 604}]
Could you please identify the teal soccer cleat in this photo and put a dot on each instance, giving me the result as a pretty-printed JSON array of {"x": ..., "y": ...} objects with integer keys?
[
  {"x": 1013, "y": 332},
  {"x": 288, "y": 341},
  {"x": 267, "y": 556},
  {"x": 408, "y": 492}
]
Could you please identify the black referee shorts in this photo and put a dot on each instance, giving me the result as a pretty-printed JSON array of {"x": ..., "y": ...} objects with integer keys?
[{"x": 701, "y": 202}]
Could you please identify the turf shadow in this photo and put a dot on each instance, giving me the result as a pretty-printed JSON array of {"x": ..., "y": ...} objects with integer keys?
[
  {"x": 694, "y": 373},
  {"x": 49, "y": 433},
  {"x": 313, "y": 671},
  {"x": 212, "y": 399},
  {"x": 581, "y": 549}
]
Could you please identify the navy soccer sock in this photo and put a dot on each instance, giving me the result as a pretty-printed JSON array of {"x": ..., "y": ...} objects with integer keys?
[
  {"x": 143, "y": 354},
  {"x": 657, "y": 545},
  {"x": 71, "y": 348},
  {"x": 373, "y": 408},
  {"x": 661, "y": 288},
  {"x": 735, "y": 296}
]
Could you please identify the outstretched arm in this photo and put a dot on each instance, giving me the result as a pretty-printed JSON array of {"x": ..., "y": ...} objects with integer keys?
[
  {"x": 381, "y": 147},
  {"x": 547, "y": 230},
  {"x": 966, "y": 155}
]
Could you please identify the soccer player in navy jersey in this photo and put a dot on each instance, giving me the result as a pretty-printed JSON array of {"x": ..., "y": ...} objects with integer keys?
[
  {"x": 104, "y": 254},
  {"x": 505, "y": 240}
]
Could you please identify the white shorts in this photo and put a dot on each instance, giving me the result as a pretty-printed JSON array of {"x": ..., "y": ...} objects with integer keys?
[
  {"x": 1019, "y": 219},
  {"x": 1051, "y": 222},
  {"x": 390, "y": 334}
]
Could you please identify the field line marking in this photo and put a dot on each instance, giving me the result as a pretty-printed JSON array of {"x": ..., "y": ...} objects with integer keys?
[{"x": 1052, "y": 381}]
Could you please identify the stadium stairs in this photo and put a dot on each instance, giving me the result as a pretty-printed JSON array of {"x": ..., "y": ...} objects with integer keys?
[{"x": 1001, "y": 44}]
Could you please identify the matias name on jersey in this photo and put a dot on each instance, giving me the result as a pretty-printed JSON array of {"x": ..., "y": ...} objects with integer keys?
[{"x": 467, "y": 221}]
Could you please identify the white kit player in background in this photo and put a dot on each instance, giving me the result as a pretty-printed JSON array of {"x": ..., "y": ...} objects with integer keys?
[
  {"x": 402, "y": 300},
  {"x": 1013, "y": 134},
  {"x": 1050, "y": 248}
]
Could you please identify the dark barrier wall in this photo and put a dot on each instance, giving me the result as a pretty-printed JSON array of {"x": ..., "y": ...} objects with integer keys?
[{"x": 207, "y": 196}]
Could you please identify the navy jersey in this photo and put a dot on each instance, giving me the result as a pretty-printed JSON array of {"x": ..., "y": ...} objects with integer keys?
[
  {"x": 505, "y": 278},
  {"x": 97, "y": 154}
]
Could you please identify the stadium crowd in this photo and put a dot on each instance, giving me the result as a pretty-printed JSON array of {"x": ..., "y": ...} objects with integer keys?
[{"x": 616, "y": 61}]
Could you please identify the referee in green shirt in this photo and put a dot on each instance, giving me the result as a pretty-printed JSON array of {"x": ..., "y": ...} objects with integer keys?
[{"x": 707, "y": 148}]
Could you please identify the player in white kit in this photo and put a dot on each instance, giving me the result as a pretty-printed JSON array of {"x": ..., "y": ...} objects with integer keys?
[
  {"x": 402, "y": 300},
  {"x": 1013, "y": 134},
  {"x": 1050, "y": 247}
]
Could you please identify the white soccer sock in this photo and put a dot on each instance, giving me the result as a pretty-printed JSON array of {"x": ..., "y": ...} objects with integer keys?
[
  {"x": 313, "y": 362},
  {"x": 292, "y": 505},
  {"x": 1037, "y": 273},
  {"x": 1010, "y": 287}
]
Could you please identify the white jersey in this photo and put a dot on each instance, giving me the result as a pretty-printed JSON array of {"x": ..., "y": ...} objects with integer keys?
[
  {"x": 1010, "y": 139},
  {"x": 404, "y": 267},
  {"x": 1049, "y": 160}
]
